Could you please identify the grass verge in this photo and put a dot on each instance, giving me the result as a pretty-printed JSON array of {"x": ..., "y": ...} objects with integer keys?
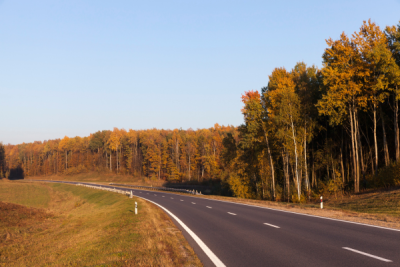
[{"x": 78, "y": 226}]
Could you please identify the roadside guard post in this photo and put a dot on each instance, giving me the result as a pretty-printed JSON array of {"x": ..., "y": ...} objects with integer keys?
[
  {"x": 135, "y": 207},
  {"x": 322, "y": 203},
  {"x": 131, "y": 195}
]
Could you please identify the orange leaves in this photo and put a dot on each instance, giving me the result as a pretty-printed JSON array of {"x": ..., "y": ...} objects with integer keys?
[{"x": 250, "y": 95}]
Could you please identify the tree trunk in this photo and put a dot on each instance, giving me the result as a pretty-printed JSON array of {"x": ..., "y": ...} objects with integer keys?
[
  {"x": 333, "y": 169},
  {"x": 385, "y": 145},
  {"x": 353, "y": 145},
  {"x": 357, "y": 156},
  {"x": 287, "y": 175},
  {"x": 363, "y": 167},
  {"x": 396, "y": 126},
  {"x": 314, "y": 182},
  {"x": 375, "y": 139},
  {"x": 116, "y": 150},
  {"x": 285, "y": 170},
  {"x": 285, "y": 161},
  {"x": 271, "y": 162},
  {"x": 341, "y": 158},
  {"x": 305, "y": 156},
  {"x": 296, "y": 158}
]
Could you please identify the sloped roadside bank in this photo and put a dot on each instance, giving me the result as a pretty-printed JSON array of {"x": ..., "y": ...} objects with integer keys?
[{"x": 86, "y": 227}]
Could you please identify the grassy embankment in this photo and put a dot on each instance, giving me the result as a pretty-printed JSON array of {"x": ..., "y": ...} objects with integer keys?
[
  {"x": 64, "y": 225},
  {"x": 378, "y": 207}
]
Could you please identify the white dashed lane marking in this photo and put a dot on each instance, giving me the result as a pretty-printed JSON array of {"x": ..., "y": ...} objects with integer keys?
[
  {"x": 366, "y": 254},
  {"x": 193, "y": 203},
  {"x": 208, "y": 207},
  {"x": 231, "y": 213},
  {"x": 271, "y": 225}
]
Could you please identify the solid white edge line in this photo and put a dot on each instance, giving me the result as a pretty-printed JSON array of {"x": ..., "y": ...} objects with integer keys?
[
  {"x": 199, "y": 242},
  {"x": 304, "y": 214},
  {"x": 367, "y": 254},
  {"x": 292, "y": 212},
  {"x": 231, "y": 213},
  {"x": 271, "y": 225}
]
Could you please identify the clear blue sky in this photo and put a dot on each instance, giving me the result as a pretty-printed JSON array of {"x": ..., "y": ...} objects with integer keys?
[{"x": 74, "y": 67}]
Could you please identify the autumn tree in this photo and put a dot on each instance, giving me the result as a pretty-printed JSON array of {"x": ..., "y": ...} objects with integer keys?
[
  {"x": 373, "y": 67},
  {"x": 393, "y": 38},
  {"x": 344, "y": 95}
]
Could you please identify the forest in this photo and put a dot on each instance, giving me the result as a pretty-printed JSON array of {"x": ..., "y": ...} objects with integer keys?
[{"x": 310, "y": 130}]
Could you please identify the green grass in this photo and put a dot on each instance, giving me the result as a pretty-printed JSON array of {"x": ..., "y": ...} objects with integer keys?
[
  {"x": 98, "y": 197},
  {"x": 27, "y": 194}
]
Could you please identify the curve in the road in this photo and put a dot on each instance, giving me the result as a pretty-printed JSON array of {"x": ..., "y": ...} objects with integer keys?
[{"x": 245, "y": 235}]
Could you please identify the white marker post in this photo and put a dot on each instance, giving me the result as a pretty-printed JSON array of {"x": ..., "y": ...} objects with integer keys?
[
  {"x": 131, "y": 196},
  {"x": 322, "y": 203},
  {"x": 135, "y": 207}
]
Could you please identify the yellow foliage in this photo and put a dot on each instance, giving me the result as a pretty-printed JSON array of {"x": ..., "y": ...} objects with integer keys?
[{"x": 239, "y": 186}]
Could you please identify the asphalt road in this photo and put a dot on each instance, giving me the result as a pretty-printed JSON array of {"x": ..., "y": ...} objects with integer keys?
[{"x": 241, "y": 235}]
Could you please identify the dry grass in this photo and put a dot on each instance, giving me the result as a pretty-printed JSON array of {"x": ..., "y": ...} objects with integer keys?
[
  {"x": 78, "y": 226},
  {"x": 380, "y": 202}
]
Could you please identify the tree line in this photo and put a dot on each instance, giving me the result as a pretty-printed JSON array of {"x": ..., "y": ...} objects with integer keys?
[
  {"x": 173, "y": 155},
  {"x": 328, "y": 129},
  {"x": 310, "y": 130}
]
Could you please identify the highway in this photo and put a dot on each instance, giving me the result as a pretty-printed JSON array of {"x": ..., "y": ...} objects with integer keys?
[{"x": 233, "y": 234}]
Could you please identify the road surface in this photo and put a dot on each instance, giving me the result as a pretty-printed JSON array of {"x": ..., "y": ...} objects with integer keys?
[{"x": 233, "y": 234}]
